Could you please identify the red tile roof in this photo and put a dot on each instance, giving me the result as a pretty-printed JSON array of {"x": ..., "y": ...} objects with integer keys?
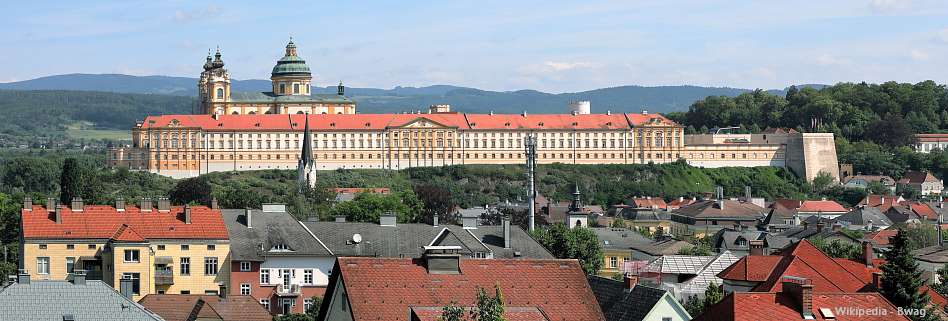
[
  {"x": 104, "y": 222},
  {"x": 387, "y": 288},
  {"x": 931, "y": 137},
  {"x": 916, "y": 177},
  {"x": 381, "y": 121},
  {"x": 772, "y": 306},
  {"x": 803, "y": 260},
  {"x": 881, "y": 237},
  {"x": 821, "y": 206},
  {"x": 650, "y": 202},
  {"x": 923, "y": 210},
  {"x": 179, "y": 307},
  {"x": 883, "y": 202}
]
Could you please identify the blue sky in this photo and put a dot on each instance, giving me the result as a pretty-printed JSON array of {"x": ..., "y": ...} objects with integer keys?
[{"x": 553, "y": 46}]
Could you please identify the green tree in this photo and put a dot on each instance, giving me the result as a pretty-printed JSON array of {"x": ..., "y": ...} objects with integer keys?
[
  {"x": 696, "y": 250},
  {"x": 452, "y": 312},
  {"x": 436, "y": 201},
  {"x": 488, "y": 308},
  {"x": 618, "y": 222},
  {"x": 192, "y": 190},
  {"x": 712, "y": 295},
  {"x": 368, "y": 207},
  {"x": 694, "y": 306},
  {"x": 239, "y": 196},
  {"x": 30, "y": 175},
  {"x": 901, "y": 277},
  {"x": 71, "y": 180},
  {"x": 838, "y": 249},
  {"x": 572, "y": 243},
  {"x": 942, "y": 286}
]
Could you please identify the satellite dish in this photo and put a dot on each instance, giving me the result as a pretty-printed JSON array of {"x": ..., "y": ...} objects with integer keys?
[{"x": 356, "y": 238}]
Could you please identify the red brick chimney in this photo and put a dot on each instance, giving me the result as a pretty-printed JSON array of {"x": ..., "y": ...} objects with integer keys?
[
  {"x": 756, "y": 247},
  {"x": 801, "y": 291},
  {"x": 867, "y": 254},
  {"x": 629, "y": 280}
]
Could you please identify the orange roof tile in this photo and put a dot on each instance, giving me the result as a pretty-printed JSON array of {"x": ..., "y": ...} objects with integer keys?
[
  {"x": 821, "y": 206},
  {"x": 387, "y": 288},
  {"x": 801, "y": 259},
  {"x": 105, "y": 222},
  {"x": 755, "y": 306}
]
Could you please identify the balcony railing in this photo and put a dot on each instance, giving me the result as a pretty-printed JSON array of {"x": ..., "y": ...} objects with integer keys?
[
  {"x": 164, "y": 277},
  {"x": 288, "y": 290}
]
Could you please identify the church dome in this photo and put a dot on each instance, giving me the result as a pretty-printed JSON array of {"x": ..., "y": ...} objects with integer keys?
[{"x": 291, "y": 64}]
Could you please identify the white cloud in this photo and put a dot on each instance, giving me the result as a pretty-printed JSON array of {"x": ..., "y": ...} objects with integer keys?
[
  {"x": 830, "y": 60},
  {"x": 188, "y": 16},
  {"x": 552, "y": 67},
  {"x": 889, "y": 6},
  {"x": 917, "y": 54}
]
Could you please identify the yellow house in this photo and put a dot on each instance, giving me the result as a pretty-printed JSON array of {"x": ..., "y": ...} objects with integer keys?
[{"x": 168, "y": 249}]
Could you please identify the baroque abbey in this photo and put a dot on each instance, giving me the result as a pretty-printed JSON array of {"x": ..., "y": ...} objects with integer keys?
[
  {"x": 290, "y": 128},
  {"x": 290, "y": 93}
]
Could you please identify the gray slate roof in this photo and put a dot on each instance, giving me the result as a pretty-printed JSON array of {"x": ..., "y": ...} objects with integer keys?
[
  {"x": 619, "y": 238},
  {"x": 619, "y": 305},
  {"x": 408, "y": 239},
  {"x": 267, "y": 230},
  {"x": 51, "y": 300},
  {"x": 865, "y": 215}
]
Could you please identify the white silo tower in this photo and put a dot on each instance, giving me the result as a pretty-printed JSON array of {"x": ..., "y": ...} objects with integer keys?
[{"x": 579, "y": 107}]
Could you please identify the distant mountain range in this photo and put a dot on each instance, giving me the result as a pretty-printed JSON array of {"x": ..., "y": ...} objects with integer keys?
[{"x": 405, "y": 99}]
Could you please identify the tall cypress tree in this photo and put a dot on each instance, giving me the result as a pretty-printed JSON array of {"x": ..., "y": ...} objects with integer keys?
[
  {"x": 70, "y": 181},
  {"x": 901, "y": 277}
]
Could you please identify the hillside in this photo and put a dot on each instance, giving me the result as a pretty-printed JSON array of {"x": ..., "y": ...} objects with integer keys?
[{"x": 398, "y": 99}]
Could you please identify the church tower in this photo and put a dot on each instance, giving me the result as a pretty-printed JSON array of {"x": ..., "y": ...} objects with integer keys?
[
  {"x": 576, "y": 217},
  {"x": 214, "y": 85},
  {"x": 306, "y": 169},
  {"x": 291, "y": 75}
]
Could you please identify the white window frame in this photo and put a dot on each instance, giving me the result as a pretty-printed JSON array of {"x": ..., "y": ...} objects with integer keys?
[
  {"x": 42, "y": 265},
  {"x": 245, "y": 289},
  {"x": 136, "y": 257},
  {"x": 308, "y": 276},
  {"x": 244, "y": 266},
  {"x": 264, "y": 273},
  {"x": 307, "y": 303},
  {"x": 265, "y": 303}
]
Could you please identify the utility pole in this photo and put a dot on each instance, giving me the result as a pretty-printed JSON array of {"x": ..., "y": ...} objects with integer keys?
[{"x": 530, "y": 144}]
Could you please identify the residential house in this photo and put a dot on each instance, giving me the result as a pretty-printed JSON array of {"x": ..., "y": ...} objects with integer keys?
[
  {"x": 364, "y": 288},
  {"x": 658, "y": 248},
  {"x": 819, "y": 231},
  {"x": 653, "y": 220},
  {"x": 923, "y": 182},
  {"x": 930, "y": 260},
  {"x": 680, "y": 202},
  {"x": 798, "y": 299},
  {"x": 798, "y": 210},
  {"x": 726, "y": 213},
  {"x": 686, "y": 276},
  {"x": 738, "y": 242},
  {"x": 903, "y": 213},
  {"x": 617, "y": 245},
  {"x": 864, "y": 218},
  {"x": 883, "y": 202},
  {"x": 880, "y": 238},
  {"x": 628, "y": 301},
  {"x": 194, "y": 307},
  {"x": 275, "y": 259},
  {"x": 929, "y": 142},
  {"x": 168, "y": 249},
  {"x": 388, "y": 238},
  {"x": 77, "y": 299},
  {"x": 646, "y": 203},
  {"x": 863, "y": 182}
]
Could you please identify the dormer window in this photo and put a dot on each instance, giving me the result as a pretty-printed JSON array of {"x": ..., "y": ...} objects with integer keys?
[{"x": 280, "y": 248}]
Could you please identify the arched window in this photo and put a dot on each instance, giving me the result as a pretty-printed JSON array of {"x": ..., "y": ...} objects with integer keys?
[
  {"x": 299, "y": 112},
  {"x": 307, "y": 88},
  {"x": 235, "y": 113},
  {"x": 220, "y": 93},
  {"x": 252, "y": 113},
  {"x": 296, "y": 88},
  {"x": 579, "y": 223}
]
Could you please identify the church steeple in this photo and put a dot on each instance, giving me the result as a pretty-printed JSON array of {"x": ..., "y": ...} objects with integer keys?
[{"x": 307, "y": 165}]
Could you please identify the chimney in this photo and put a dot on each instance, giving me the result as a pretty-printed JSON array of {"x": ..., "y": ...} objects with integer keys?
[
  {"x": 629, "y": 281},
  {"x": 145, "y": 204},
  {"x": 506, "y": 223},
  {"x": 222, "y": 292},
  {"x": 341, "y": 218},
  {"x": 608, "y": 113},
  {"x": 214, "y": 205},
  {"x": 50, "y": 204},
  {"x": 819, "y": 225},
  {"x": 837, "y": 227},
  {"x": 125, "y": 288},
  {"x": 28, "y": 204},
  {"x": 867, "y": 254},
  {"x": 23, "y": 277},
  {"x": 877, "y": 280},
  {"x": 120, "y": 204},
  {"x": 164, "y": 205},
  {"x": 469, "y": 220},
  {"x": 801, "y": 290},
  {"x": 434, "y": 220},
  {"x": 388, "y": 219},
  {"x": 756, "y": 247},
  {"x": 248, "y": 216},
  {"x": 58, "y": 214},
  {"x": 187, "y": 214},
  {"x": 747, "y": 193},
  {"x": 681, "y": 199},
  {"x": 79, "y": 277},
  {"x": 76, "y": 204},
  {"x": 442, "y": 259}
]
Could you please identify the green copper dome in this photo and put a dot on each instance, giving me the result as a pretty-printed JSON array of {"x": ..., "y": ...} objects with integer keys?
[{"x": 291, "y": 64}]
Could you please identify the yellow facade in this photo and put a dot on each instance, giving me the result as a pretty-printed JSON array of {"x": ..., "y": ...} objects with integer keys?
[
  {"x": 612, "y": 261},
  {"x": 150, "y": 260}
]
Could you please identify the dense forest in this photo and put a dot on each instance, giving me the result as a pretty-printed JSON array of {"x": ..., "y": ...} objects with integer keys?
[{"x": 875, "y": 124}]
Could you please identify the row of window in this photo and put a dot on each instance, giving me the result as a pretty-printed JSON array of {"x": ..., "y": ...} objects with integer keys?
[
  {"x": 159, "y": 247},
  {"x": 285, "y": 276},
  {"x": 413, "y": 143},
  {"x": 724, "y": 156}
]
